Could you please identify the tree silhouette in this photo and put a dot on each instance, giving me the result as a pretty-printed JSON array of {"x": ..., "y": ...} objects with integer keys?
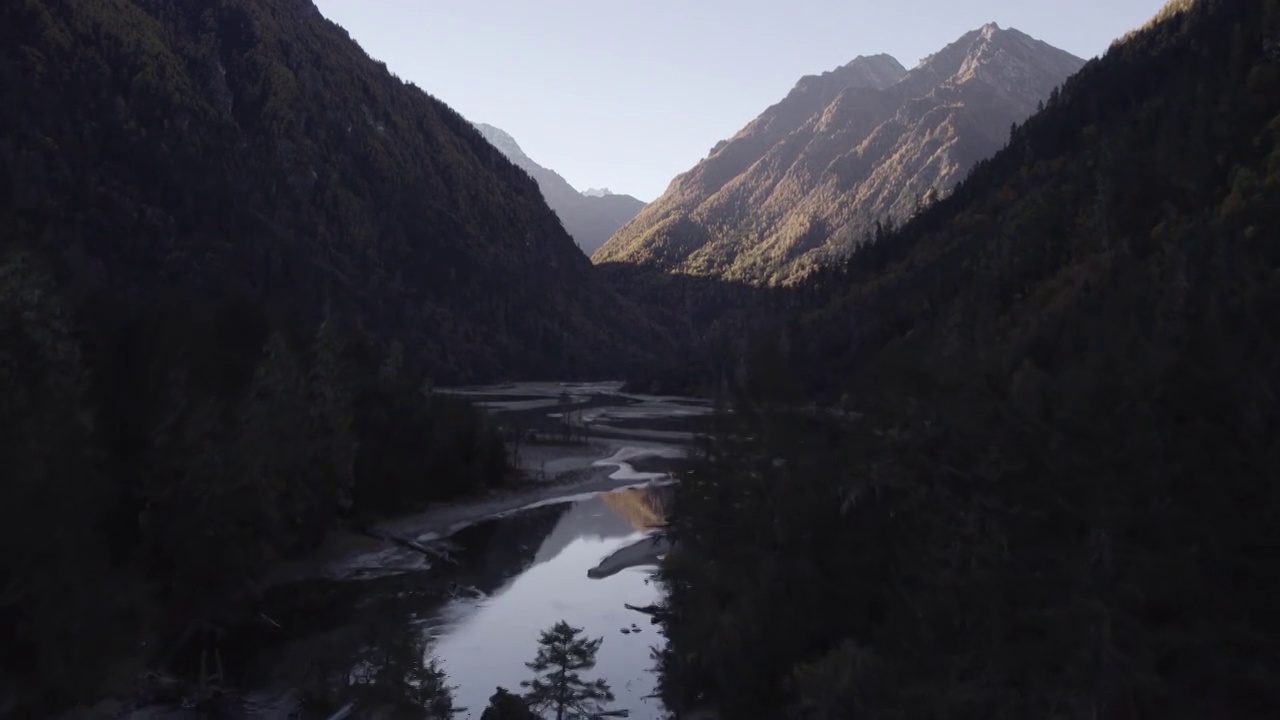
[
  {"x": 562, "y": 654},
  {"x": 503, "y": 705}
]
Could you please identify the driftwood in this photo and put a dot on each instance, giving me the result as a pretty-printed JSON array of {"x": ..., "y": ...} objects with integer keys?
[
  {"x": 408, "y": 543},
  {"x": 344, "y": 712},
  {"x": 656, "y": 613},
  {"x": 653, "y": 610}
]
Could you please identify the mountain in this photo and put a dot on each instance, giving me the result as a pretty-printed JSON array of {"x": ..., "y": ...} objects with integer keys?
[
  {"x": 807, "y": 180},
  {"x": 235, "y": 253},
  {"x": 1057, "y": 490},
  {"x": 246, "y": 149},
  {"x": 590, "y": 217},
  {"x": 644, "y": 508}
]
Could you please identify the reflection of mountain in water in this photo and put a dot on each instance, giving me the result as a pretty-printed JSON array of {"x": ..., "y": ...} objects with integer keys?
[
  {"x": 610, "y": 515},
  {"x": 492, "y": 552},
  {"x": 645, "y": 508},
  {"x": 585, "y": 519},
  {"x": 333, "y": 625}
]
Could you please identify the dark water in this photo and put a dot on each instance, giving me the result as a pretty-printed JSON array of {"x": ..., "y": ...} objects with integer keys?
[{"x": 514, "y": 576}]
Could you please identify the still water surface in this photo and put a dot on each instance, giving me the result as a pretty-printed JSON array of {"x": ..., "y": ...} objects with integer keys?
[
  {"x": 484, "y": 642},
  {"x": 509, "y": 576}
]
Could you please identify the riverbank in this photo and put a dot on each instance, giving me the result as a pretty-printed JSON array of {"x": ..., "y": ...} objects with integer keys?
[
  {"x": 350, "y": 556},
  {"x": 572, "y": 472},
  {"x": 308, "y": 596}
]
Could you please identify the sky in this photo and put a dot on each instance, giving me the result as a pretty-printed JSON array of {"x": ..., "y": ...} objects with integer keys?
[{"x": 627, "y": 95}]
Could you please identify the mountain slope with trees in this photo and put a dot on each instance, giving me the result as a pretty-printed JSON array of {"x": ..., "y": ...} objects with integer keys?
[
  {"x": 253, "y": 149},
  {"x": 235, "y": 255},
  {"x": 806, "y": 181},
  {"x": 590, "y": 217},
  {"x": 1046, "y": 487}
]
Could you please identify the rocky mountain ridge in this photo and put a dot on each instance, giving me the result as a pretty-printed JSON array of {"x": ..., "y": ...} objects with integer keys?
[{"x": 808, "y": 179}]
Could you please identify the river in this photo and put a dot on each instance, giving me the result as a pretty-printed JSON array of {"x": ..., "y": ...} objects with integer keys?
[{"x": 578, "y": 546}]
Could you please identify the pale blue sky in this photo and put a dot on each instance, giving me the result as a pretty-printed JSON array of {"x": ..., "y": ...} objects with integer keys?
[{"x": 626, "y": 95}]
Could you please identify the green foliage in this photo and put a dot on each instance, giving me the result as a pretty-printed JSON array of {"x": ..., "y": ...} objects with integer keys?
[
  {"x": 953, "y": 562},
  {"x": 559, "y": 689},
  {"x": 393, "y": 676},
  {"x": 161, "y": 458},
  {"x": 706, "y": 318},
  {"x": 404, "y": 680},
  {"x": 233, "y": 248},
  {"x": 57, "y": 607},
  {"x": 252, "y": 148},
  {"x": 1171, "y": 9},
  {"x": 416, "y": 449},
  {"x": 1057, "y": 498}
]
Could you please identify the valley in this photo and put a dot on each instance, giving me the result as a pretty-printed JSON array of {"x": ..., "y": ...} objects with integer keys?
[
  {"x": 590, "y": 217},
  {"x": 935, "y": 391},
  {"x": 845, "y": 155},
  {"x": 496, "y": 570}
]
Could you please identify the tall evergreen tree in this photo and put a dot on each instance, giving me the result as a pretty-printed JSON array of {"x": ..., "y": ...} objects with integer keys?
[
  {"x": 401, "y": 679},
  {"x": 562, "y": 654}
]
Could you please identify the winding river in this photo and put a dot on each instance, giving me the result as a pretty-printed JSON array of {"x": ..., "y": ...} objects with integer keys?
[{"x": 479, "y": 580}]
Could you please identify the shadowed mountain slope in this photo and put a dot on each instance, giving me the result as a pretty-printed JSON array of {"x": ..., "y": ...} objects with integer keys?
[{"x": 590, "y": 217}]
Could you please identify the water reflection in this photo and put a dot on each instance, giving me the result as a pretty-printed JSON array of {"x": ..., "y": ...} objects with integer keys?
[
  {"x": 481, "y": 617},
  {"x": 645, "y": 508},
  {"x": 484, "y": 643}
]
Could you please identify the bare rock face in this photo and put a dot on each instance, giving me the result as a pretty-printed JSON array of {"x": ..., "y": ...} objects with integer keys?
[{"x": 808, "y": 179}]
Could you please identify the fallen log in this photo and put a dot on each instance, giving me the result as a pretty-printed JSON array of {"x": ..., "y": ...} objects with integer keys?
[
  {"x": 407, "y": 543},
  {"x": 656, "y": 613},
  {"x": 344, "y": 712}
]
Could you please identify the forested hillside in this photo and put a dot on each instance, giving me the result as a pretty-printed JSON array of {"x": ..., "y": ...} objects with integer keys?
[
  {"x": 235, "y": 253},
  {"x": 1055, "y": 495},
  {"x": 252, "y": 149},
  {"x": 805, "y": 182}
]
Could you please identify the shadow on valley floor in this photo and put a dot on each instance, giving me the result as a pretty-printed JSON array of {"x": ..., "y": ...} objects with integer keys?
[{"x": 706, "y": 316}]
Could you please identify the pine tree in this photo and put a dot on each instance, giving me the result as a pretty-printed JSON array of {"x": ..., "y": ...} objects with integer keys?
[
  {"x": 332, "y": 433},
  {"x": 400, "y": 679},
  {"x": 562, "y": 654},
  {"x": 50, "y": 597}
]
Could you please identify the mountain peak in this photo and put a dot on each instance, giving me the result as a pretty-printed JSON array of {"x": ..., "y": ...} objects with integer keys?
[
  {"x": 865, "y": 71},
  {"x": 499, "y": 138},
  {"x": 878, "y": 71},
  {"x": 1008, "y": 60},
  {"x": 801, "y": 183},
  {"x": 587, "y": 216}
]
